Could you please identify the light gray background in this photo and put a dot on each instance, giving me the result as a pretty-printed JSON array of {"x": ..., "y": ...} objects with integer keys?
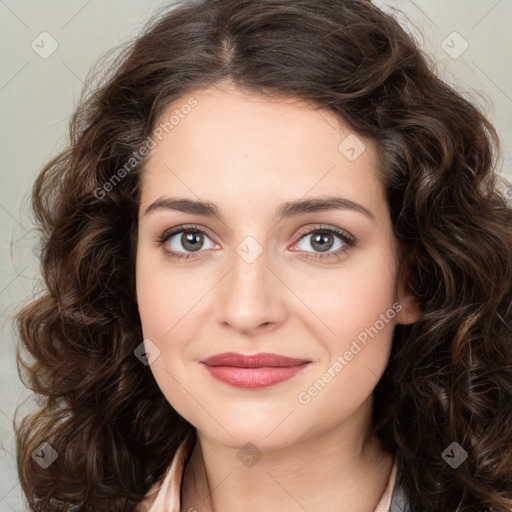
[{"x": 37, "y": 96}]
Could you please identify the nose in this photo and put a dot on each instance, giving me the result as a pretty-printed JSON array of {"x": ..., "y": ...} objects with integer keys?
[{"x": 252, "y": 295}]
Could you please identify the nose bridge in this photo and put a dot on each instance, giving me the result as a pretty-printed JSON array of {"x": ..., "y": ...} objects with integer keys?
[{"x": 250, "y": 293}]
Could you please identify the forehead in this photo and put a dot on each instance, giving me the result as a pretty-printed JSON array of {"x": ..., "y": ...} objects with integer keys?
[{"x": 238, "y": 144}]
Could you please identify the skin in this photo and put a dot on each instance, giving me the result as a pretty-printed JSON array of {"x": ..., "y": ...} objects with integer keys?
[{"x": 248, "y": 154}]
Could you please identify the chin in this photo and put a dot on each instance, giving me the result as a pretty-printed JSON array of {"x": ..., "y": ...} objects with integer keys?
[{"x": 253, "y": 439}]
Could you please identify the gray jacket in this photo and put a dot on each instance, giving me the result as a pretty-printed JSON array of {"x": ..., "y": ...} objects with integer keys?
[{"x": 399, "y": 502}]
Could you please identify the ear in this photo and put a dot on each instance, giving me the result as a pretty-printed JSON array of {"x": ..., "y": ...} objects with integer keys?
[{"x": 408, "y": 309}]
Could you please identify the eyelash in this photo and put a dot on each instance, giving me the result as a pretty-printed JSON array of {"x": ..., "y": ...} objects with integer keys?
[{"x": 346, "y": 238}]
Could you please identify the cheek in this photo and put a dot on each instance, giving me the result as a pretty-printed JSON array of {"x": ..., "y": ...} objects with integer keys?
[
  {"x": 351, "y": 298},
  {"x": 357, "y": 319},
  {"x": 166, "y": 315},
  {"x": 357, "y": 355},
  {"x": 172, "y": 309},
  {"x": 157, "y": 299},
  {"x": 148, "y": 296},
  {"x": 163, "y": 297}
]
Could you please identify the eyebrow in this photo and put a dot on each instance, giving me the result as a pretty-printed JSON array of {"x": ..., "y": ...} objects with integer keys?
[{"x": 286, "y": 210}]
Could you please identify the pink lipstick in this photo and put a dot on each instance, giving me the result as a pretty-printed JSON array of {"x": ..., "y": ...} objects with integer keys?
[{"x": 253, "y": 371}]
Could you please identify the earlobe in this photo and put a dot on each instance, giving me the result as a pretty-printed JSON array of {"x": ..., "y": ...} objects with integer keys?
[{"x": 409, "y": 310}]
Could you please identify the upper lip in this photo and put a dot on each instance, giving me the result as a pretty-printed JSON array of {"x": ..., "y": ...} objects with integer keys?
[{"x": 252, "y": 361}]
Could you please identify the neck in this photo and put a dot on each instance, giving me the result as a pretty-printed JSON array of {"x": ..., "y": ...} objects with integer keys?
[{"x": 330, "y": 471}]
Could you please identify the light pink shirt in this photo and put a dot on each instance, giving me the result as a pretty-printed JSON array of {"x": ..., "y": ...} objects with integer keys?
[{"x": 168, "y": 497}]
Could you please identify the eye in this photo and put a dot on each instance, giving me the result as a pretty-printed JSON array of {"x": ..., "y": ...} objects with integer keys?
[
  {"x": 191, "y": 239},
  {"x": 330, "y": 242}
]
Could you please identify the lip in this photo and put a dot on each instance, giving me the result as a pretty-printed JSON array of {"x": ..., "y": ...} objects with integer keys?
[
  {"x": 263, "y": 359},
  {"x": 254, "y": 371}
]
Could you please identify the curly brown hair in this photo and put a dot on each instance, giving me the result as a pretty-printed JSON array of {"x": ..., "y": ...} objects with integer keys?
[{"x": 449, "y": 377}]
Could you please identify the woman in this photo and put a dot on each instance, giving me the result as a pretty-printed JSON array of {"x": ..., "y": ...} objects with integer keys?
[{"x": 279, "y": 277}]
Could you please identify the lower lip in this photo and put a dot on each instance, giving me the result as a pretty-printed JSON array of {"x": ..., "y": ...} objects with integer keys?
[{"x": 254, "y": 378}]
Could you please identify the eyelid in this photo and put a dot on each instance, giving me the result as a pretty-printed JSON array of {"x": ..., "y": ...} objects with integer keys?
[
  {"x": 344, "y": 235},
  {"x": 185, "y": 227}
]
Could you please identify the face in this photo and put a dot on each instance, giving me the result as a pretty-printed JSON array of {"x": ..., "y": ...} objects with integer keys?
[{"x": 266, "y": 265}]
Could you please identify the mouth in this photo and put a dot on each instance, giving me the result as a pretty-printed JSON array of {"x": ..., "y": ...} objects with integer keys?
[
  {"x": 253, "y": 371},
  {"x": 263, "y": 359}
]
